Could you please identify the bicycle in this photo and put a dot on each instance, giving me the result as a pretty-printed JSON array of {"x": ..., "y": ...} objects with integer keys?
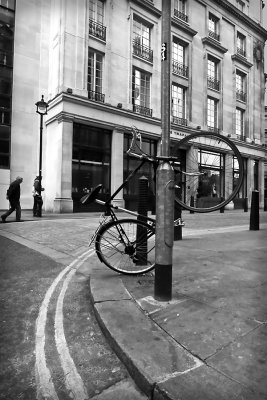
[{"x": 128, "y": 245}]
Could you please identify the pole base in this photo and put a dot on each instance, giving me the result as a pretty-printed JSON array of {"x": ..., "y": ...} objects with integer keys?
[{"x": 163, "y": 282}]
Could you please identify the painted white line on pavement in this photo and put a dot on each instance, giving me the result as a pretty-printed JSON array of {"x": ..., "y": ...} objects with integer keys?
[
  {"x": 73, "y": 380},
  {"x": 45, "y": 386}
]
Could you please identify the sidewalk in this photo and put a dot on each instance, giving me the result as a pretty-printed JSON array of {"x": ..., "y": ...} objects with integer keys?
[{"x": 210, "y": 341}]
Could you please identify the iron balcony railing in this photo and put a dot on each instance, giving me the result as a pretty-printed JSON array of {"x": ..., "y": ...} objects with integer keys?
[
  {"x": 241, "y": 51},
  {"x": 213, "y": 129},
  {"x": 142, "y": 51},
  {"x": 181, "y": 15},
  {"x": 96, "y": 29},
  {"x": 213, "y": 83},
  {"x": 214, "y": 35},
  {"x": 179, "y": 121},
  {"x": 96, "y": 96},
  {"x": 142, "y": 110},
  {"x": 241, "y": 95},
  {"x": 179, "y": 69}
]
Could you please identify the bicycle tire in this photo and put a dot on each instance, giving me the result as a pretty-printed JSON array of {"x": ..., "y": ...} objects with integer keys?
[
  {"x": 118, "y": 248},
  {"x": 214, "y": 144}
]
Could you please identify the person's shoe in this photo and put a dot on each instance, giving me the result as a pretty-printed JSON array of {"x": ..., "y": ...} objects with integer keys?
[{"x": 3, "y": 219}]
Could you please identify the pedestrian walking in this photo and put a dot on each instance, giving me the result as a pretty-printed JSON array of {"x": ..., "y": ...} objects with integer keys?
[
  {"x": 13, "y": 195},
  {"x": 37, "y": 197}
]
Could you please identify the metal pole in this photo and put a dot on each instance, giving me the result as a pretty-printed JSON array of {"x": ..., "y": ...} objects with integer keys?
[
  {"x": 165, "y": 173},
  {"x": 40, "y": 165}
]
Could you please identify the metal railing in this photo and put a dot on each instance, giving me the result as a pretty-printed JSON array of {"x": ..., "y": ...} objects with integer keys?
[
  {"x": 179, "y": 121},
  {"x": 214, "y": 35},
  {"x": 96, "y": 96},
  {"x": 213, "y": 129},
  {"x": 241, "y": 95},
  {"x": 96, "y": 29},
  {"x": 181, "y": 15},
  {"x": 142, "y": 110},
  {"x": 241, "y": 51},
  {"x": 142, "y": 51},
  {"x": 213, "y": 83},
  {"x": 179, "y": 69}
]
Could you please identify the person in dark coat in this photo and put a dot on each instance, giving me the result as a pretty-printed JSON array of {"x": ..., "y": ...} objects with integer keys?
[
  {"x": 37, "y": 197},
  {"x": 13, "y": 195}
]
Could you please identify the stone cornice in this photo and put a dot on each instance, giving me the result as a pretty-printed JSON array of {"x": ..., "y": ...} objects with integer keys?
[
  {"x": 149, "y": 6},
  {"x": 242, "y": 60},
  {"x": 213, "y": 43},
  {"x": 177, "y": 23},
  {"x": 243, "y": 17}
]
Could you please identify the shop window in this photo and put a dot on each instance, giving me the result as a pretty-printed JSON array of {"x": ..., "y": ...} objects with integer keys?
[
  {"x": 90, "y": 160},
  {"x": 149, "y": 146}
]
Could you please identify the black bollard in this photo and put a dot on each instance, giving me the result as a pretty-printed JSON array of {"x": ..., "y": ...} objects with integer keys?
[
  {"x": 245, "y": 204},
  {"x": 192, "y": 204},
  {"x": 255, "y": 212},
  {"x": 177, "y": 228},
  {"x": 141, "y": 239},
  {"x": 222, "y": 208}
]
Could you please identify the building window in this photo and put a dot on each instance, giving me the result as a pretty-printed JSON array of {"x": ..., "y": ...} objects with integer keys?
[
  {"x": 212, "y": 114},
  {"x": 241, "y": 44},
  {"x": 180, "y": 10},
  {"x": 213, "y": 74},
  {"x": 179, "y": 66},
  {"x": 179, "y": 105},
  {"x": 96, "y": 19},
  {"x": 240, "y": 5},
  {"x": 95, "y": 76},
  {"x": 239, "y": 123},
  {"x": 130, "y": 192},
  {"x": 90, "y": 161},
  {"x": 240, "y": 85},
  {"x": 142, "y": 40},
  {"x": 7, "y": 21},
  {"x": 214, "y": 27},
  {"x": 141, "y": 92}
]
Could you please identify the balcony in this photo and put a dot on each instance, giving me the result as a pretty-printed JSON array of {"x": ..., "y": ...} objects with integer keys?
[
  {"x": 142, "y": 110},
  {"x": 181, "y": 15},
  {"x": 241, "y": 52},
  {"x": 97, "y": 30},
  {"x": 213, "y": 129},
  {"x": 142, "y": 51},
  {"x": 241, "y": 96},
  {"x": 179, "y": 121},
  {"x": 213, "y": 83},
  {"x": 96, "y": 96},
  {"x": 179, "y": 69},
  {"x": 214, "y": 35}
]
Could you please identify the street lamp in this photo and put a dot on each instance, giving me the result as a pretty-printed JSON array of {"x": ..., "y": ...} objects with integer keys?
[{"x": 41, "y": 109}]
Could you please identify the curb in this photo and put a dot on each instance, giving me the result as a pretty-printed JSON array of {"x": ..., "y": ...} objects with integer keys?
[{"x": 151, "y": 356}]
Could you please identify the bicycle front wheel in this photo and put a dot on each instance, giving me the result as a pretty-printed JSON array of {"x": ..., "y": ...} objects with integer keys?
[
  {"x": 127, "y": 246},
  {"x": 211, "y": 173}
]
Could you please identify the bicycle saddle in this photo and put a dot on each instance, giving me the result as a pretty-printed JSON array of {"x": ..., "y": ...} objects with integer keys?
[{"x": 89, "y": 197}]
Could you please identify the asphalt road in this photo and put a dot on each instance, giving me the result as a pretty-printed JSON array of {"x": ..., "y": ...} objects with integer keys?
[{"x": 48, "y": 332}]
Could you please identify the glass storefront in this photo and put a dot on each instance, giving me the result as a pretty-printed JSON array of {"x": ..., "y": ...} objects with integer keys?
[
  {"x": 130, "y": 193},
  {"x": 90, "y": 163}
]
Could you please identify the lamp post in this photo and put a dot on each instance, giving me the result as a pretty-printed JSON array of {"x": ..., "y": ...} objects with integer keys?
[{"x": 41, "y": 109}]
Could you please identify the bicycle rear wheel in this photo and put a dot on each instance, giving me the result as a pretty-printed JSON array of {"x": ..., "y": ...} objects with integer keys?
[
  {"x": 127, "y": 246},
  {"x": 213, "y": 172}
]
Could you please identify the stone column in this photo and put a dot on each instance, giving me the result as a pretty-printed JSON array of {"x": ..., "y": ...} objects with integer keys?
[
  {"x": 117, "y": 165},
  {"x": 58, "y": 172}
]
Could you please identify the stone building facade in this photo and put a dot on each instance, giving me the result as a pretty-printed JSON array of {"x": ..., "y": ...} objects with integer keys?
[{"x": 98, "y": 65}]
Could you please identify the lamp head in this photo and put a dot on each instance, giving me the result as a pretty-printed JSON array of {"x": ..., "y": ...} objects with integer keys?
[{"x": 41, "y": 106}]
